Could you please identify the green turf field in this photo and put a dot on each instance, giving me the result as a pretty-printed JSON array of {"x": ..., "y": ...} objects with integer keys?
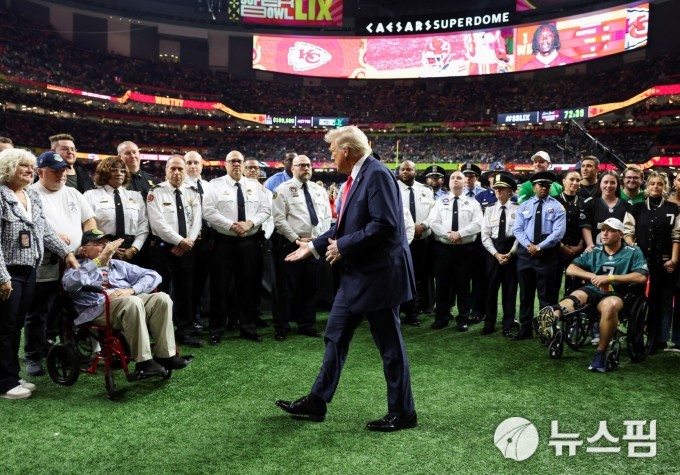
[{"x": 218, "y": 415}]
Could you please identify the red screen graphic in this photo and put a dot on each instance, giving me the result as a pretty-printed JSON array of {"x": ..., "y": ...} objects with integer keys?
[{"x": 556, "y": 43}]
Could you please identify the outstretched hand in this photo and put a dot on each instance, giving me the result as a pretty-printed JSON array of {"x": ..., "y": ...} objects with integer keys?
[{"x": 302, "y": 252}]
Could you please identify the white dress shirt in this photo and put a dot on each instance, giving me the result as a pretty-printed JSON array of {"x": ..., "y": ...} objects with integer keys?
[
  {"x": 424, "y": 199},
  {"x": 290, "y": 212},
  {"x": 101, "y": 200},
  {"x": 220, "y": 207},
  {"x": 491, "y": 222},
  {"x": 469, "y": 218},
  {"x": 161, "y": 206}
]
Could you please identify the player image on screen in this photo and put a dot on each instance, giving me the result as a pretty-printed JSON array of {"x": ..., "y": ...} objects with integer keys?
[
  {"x": 546, "y": 49},
  {"x": 487, "y": 53},
  {"x": 437, "y": 55}
]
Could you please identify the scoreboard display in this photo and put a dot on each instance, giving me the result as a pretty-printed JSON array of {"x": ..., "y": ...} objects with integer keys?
[{"x": 493, "y": 50}]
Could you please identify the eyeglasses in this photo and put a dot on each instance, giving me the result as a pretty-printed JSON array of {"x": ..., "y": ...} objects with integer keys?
[
  {"x": 68, "y": 149},
  {"x": 634, "y": 178},
  {"x": 303, "y": 165},
  {"x": 235, "y": 162},
  {"x": 251, "y": 167}
]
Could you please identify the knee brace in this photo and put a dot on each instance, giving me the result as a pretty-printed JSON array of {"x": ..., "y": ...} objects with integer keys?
[{"x": 577, "y": 303}]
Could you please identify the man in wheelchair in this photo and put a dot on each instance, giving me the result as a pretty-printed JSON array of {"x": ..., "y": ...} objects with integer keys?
[
  {"x": 608, "y": 268},
  {"x": 133, "y": 305}
]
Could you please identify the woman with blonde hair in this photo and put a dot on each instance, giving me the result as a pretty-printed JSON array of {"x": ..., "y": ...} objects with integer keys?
[
  {"x": 24, "y": 235},
  {"x": 653, "y": 226}
]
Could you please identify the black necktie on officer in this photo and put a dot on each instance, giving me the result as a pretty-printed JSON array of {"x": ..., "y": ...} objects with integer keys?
[
  {"x": 310, "y": 205},
  {"x": 181, "y": 219},
  {"x": 241, "y": 203},
  {"x": 454, "y": 214},
  {"x": 120, "y": 217},
  {"x": 501, "y": 226},
  {"x": 538, "y": 223},
  {"x": 412, "y": 203}
]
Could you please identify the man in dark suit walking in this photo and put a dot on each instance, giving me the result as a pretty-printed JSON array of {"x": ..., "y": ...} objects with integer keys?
[{"x": 368, "y": 244}]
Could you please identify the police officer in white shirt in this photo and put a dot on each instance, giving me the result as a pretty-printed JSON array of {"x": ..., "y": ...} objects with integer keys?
[
  {"x": 119, "y": 212},
  {"x": 419, "y": 200},
  {"x": 236, "y": 207},
  {"x": 456, "y": 221},
  {"x": 205, "y": 244},
  {"x": 301, "y": 212},
  {"x": 501, "y": 264},
  {"x": 175, "y": 217}
]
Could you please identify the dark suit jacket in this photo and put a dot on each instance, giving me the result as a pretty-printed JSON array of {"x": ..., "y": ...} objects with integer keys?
[{"x": 376, "y": 271}]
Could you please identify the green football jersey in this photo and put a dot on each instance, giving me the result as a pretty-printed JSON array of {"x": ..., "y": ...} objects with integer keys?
[{"x": 627, "y": 260}]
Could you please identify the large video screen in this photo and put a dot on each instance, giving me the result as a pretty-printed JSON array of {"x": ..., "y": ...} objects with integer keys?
[{"x": 533, "y": 46}]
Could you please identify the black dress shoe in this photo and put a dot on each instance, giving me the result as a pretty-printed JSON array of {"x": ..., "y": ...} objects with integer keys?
[
  {"x": 250, "y": 336},
  {"x": 280, "y": 336},
  {"x": 507, "y": 333},
  {"x": 190, "y": 341},
  {"x": 487, "y": 331},
  {"x": 523, "y": 335},
  {"x": 462, "y": 327},
  {"x": 391, "y": 423},
  {"x": 307, "y": 407},
  {"x": 146, "y": 369},
  {"x": 174, "y": 362},
  {"x": 214, "y": 340},
  {"x": 413, "y": 321},
  {"x": 313, "y": 332},
  {"x": 259, "y": 323},
  {"x": 439, "y": 324}
]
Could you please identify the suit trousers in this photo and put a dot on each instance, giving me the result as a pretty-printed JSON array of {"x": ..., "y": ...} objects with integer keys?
[
  {"x": 385, "y": 328},
  {"x": 137, "y": 315},
  {"x": 177, "y": 271},
  {"x": 12, "y": 313},
  {"x": 296, "y": 289},
  {"x": 453, "y": 277},
  {"x": 503, "y": 278}
]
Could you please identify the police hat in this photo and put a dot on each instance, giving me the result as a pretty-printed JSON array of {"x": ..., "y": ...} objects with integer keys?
[
  {"x": 94, "y": 235},
  {"x": 469, "y": 168},
  {"x": 504, "y": 180},
  {"x": 435, "y": 170},
  {"x": 543, "y": 178}
]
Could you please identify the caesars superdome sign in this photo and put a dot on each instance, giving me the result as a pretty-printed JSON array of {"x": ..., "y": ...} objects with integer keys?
[{"x": 433, "y": 24}]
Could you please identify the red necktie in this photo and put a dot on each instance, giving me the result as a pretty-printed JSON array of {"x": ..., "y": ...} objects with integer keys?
[{"x": 345, "y": 195}]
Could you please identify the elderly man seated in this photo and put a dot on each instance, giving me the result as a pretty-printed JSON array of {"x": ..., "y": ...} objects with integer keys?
[{"x": 133, "y": 306}]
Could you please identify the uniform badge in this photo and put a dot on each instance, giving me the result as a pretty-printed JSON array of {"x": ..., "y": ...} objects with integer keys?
[
  {"x": 275, "y": 195},
  {"x": 445, "y": 201},
  {"x": 512, "y": 216},
  {"x": 551, "y": 210},
  {"x": 150, "y": 183},
  {"x": 249, "y": 191},
  {"x": 294, "y": 192},
  {"x": 149, "y": 198}
]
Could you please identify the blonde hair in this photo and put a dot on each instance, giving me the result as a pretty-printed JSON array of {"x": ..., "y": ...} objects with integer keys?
[
  {"x": 661, "y": 176},
  {"x": 10, "y": 159},
  {"x": 351, "y": 138}
]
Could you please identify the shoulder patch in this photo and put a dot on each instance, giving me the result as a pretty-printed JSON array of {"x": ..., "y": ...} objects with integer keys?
[
  {"x": 275, "y": 195},
  {"x": 149, "y": 198}
]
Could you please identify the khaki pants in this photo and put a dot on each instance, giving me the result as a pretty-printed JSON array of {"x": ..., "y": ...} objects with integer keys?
[{"x": 134, "y": 313}]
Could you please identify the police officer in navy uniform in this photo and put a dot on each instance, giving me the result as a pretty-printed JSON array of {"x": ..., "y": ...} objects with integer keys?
[
  {"x": 501, "y": 246},
  {"x": 139, "y": 179},
  {"x": 539, "y": 227}
]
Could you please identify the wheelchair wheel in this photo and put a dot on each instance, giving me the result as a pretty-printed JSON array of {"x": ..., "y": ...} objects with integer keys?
[
  {"x": 639, "y": 338},
  {"x": 612, "y": 361},
  {"x": 108, "y": 382},
  {"x": 63, "y": 364},
  {"x": 556, "y": 347}
]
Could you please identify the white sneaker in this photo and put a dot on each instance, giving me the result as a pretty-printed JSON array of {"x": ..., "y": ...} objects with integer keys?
[
  {"x": 546, "y": 321},
  {"x": 18, "y": 392},
  {"x": 30, "y": 386},
  {"x": 595, "y": 341}
]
